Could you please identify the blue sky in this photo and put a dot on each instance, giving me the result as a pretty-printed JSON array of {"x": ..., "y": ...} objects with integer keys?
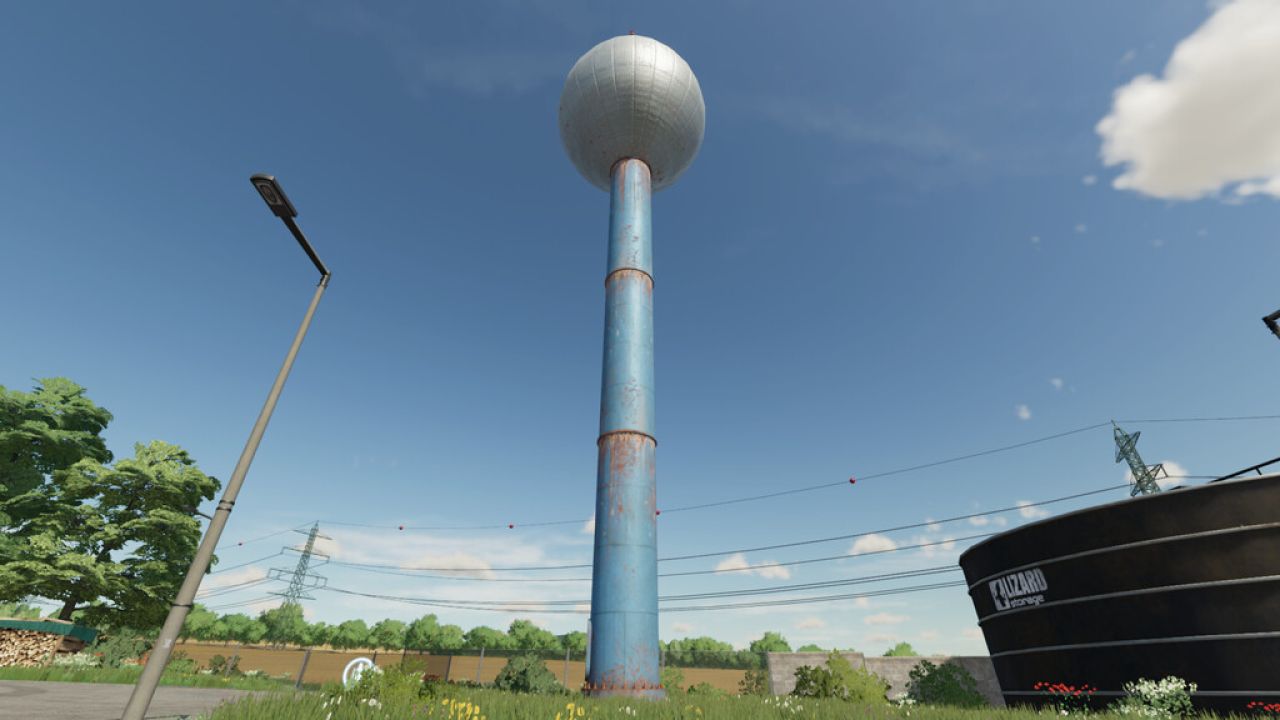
[{"x": 899, "y": 243}]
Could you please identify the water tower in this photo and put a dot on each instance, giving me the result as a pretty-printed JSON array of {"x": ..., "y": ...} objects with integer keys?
[{"x": 631, "y": 119}]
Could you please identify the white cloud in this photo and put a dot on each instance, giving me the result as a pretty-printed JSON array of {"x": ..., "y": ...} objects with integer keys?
[
  {"x": 1128, "y": 57},
  {"x": 1000, "y": 520},
  {"x": 811, "y": 623},
  {"x": 1089, "y": 180},
  {"x": 1027, "y": 511},
  {"x": 1212, "y": 120},
  {"x": 872, "y": 543},
  {"x": 972, "y": 633},
  {"x": 979, "y": 521},
  {"x": 885, "y": 618},
  {"x": 681, "y": 628},
  {"x": 928, "y": 634},
  {"x": 231, "y": 577},
  {"x": 1081, "y": 228},
  {"x": 1157, "y": 243},
  {"x": 461, "y": 564},
  {"x": 881, "y": 639},
  {"x": 946, "y": 545},
  {"x": 589, "y": 527},
  {"x": 862, "y": 603},
  {"x": 1023, "y": 412},
  {"x": 738, "y": 563},
  {"x": 1035, "y": 239},
  {"x": 1057, "y": 383}
]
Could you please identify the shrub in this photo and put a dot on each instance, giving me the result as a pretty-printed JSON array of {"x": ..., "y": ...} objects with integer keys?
[
  {"x": 754, "y": 682},
  {"x": 527, "y": 674},
  {"x": 672, "y": 678},
  {"x": 120, "y": 648},
  {"x": 945, "y": 684},
  {"x": 838, "y": 679},
  {"x": 391, "y": 686},
  {"x": 706, "y": 688},
  {"x": 1167, "y": 698},
  {"x": 219, "y": 665}
]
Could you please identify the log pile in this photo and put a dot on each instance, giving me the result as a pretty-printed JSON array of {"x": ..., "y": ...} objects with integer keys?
[{"x": 28, "y": 648}]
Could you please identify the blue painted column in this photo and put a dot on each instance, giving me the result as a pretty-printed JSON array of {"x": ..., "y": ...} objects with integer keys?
[{"x": 624, "y": 581}]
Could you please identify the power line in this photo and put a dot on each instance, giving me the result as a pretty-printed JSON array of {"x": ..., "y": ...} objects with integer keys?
[
  {"x": 242, "y": 603},
  {"x": 259, "y": 538},
  {"x": 409, "y": 572},
  {"x": 227, "y": 589},
  {"x": 250, "y": 562},
  {"x": 820, "y": 486},
  {"x": 695, "y": 608}
]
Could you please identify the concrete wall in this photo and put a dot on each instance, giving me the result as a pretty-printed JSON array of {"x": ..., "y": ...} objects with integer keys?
[{"x": 893, "y": 670}]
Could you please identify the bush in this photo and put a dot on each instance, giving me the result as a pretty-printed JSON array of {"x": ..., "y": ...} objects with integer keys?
[
  {"x": 840, "y": 680},
  {"x": 706, "y": 688},
  {"x": 391, "y": 686},
  {"x": 754, "y": 682},
  {"x": 945, "y": 684},
  {"x": 672, "y": 678},
  {"x": 1167, "y": 698},
  {"x": 527, "y": 674},
  {"x": 219, "y": 665},
  {"x": 121, "y": 648}
]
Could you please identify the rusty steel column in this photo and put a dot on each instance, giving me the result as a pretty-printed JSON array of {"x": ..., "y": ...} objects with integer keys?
[{"x": 624, "y": 581}]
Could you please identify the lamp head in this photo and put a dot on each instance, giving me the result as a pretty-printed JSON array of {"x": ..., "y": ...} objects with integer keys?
[{"x": 273, "y": 194}]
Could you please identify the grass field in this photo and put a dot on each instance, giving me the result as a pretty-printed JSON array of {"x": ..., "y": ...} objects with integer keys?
[
  {"x": 129, "y": 675},
  {"x": 480, "y": 704}
]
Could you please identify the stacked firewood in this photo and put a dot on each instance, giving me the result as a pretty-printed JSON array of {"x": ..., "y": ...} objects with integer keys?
[{"x": 27, "y": 648}]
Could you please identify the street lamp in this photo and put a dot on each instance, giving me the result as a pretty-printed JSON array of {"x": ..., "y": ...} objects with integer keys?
[{"x": 275, "y": 198}]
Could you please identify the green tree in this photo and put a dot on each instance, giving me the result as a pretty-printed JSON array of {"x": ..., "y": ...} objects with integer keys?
[
  {"x": 701, "y": 652},
  {"x": 387, "y": 634},
  {"x": 527, "y": 636},
  {"x": 575, "y": 642},
  {"x": 114, "y": 542},
  {"x": 318, "y": 633},
  {"x": 199, "y": 622},
  {"x": 421, "y": 633},
  {"x": 450, "y": 637},
  {"x": 483, "y": 636},
  {"x": 285, "y": 624},
  {"x": 528, "y": 674},
  {"x": 351, "y": 634},
  {"x": 809, "y": 648},
  {"x": 44, "y": 432},
  {"x": 945, "y": 684},
  {"x": 242, "y": 628},
  {"x": 902, "y": 649},
  {"x": 19, "y": 610},
  {"x": 770, "y": 642}
]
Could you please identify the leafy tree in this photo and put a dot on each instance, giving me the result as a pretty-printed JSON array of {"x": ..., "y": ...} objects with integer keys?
[
  {"x": 754, "y": 682},
  {"x": 483, "y": 636},
  {"x": 902, "y": 649},
  {"x": 318, "y": 633},
  {"x": 285, "y": 624},
  {"x": 199, "y": 622},
  {"x": 770, "y": 642},
  {"x": 421, "y": 633},
  {"x": 450, "y": 637},
  {"x": 112, "y": 541},
  {"x": 242, "y": 628},
  {"x": 809, "y": 648},
  {"x": 351, "y": 634},
  {"x": 387, "y": 634},
  {"x": 700, "y": 652},
  {"x": 575, "y": 642},
  {"x": 527, "y": 636},
  {"x": 671, "y": 678},
  {"x": 219, "y": 631},
  {"x": 44, "y": 432}
]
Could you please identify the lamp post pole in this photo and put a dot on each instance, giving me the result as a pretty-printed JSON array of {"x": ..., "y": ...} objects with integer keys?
[{"x": 143, "y": 692}]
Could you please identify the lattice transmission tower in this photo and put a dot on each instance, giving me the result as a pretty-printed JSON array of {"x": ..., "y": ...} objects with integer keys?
[
  {"x": 1144, "y": 476},
  {"x": 300, "y": 578}
]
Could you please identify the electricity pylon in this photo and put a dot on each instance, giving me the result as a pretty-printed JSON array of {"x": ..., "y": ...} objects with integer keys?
[
  {"x": 1144, "y": 476},
  {"x": 300, "y": 580}
]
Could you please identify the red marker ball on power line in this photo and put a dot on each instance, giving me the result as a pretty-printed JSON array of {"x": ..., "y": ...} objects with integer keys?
[
  {"x": 657, "y": 512},
  {"x": 401, "y": 527},
  {"x": 511, "y": 527},
  {"x": 240, "y": 543},
  {"x": 852, "y": 480}
]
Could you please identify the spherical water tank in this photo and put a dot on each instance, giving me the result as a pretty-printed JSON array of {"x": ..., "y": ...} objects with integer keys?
[{"x": 631, "y": 97}]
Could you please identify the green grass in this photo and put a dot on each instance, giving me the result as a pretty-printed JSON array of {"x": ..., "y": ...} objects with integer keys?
[
  {"x": 129, "y": 675},
  {"x": 497, "y": 705}
]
